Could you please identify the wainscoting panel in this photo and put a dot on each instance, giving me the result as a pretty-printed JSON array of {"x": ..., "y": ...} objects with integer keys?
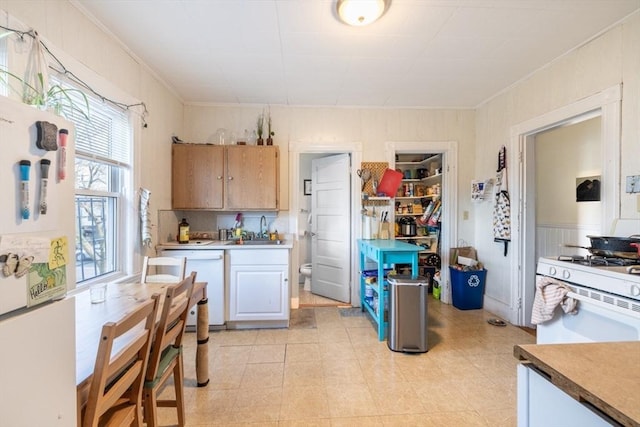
[{"x": 551, "y": 238}]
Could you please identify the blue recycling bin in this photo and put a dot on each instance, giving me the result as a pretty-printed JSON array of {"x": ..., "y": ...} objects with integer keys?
[{"x": 467, "y": 288}]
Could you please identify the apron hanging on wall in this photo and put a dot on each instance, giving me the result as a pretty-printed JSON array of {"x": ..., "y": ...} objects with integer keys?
[{"x": 502, "y": 208}]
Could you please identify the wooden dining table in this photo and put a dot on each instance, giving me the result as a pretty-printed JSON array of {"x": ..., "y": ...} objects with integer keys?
[{"x": 121, "y": 299}]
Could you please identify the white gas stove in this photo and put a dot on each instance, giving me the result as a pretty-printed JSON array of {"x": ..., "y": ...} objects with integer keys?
[
  {"x": 608, "y": 302},
  {"x": 613, "y": 279}
]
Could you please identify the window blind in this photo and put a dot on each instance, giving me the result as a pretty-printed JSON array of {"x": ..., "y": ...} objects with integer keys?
[{"x": 103, "y": 132}]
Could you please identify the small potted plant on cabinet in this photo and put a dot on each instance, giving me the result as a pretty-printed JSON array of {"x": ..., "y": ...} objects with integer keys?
[
  {"x": 260, "y": 129},
  {"x": 270, "y": 133}
]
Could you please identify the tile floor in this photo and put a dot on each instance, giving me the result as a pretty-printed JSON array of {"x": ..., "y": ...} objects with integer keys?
[
  {"x": 338, "y": 374},
  {"x": 307, "y": 299}
]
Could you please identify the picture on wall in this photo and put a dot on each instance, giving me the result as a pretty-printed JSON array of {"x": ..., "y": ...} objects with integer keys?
[{"x": 588, "y": 189}]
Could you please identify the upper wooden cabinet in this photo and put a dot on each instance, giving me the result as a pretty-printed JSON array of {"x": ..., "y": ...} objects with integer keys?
[
  {"x": 225, "y": 177},
  {"x": 252, "y": 177},
  {"x": 197, "y": 176}
]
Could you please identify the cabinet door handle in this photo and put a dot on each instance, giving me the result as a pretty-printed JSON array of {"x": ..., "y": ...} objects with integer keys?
[
  {"x": 229, "y": 178},
  {"x": 218, "y": 177}
]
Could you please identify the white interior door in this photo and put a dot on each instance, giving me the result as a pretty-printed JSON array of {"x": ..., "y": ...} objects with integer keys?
[{"x": 331, "y": 227}]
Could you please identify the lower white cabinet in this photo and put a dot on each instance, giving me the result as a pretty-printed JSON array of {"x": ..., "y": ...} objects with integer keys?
[
  {"x": 258, "y": 284},
  {"x": 543, "y": 404}
]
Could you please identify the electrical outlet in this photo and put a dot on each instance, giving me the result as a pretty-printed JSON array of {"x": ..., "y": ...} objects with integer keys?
[{"x": 633, "y": 184}]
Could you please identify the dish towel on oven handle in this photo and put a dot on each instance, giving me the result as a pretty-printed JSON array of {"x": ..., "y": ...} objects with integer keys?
[
  {"x": 145, "y": 217},
  {"x": 502, "y": 208},
  {"x": 549, "y": 294}
]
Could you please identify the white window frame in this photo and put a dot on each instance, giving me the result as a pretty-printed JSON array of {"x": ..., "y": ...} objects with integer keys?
[{"x": 123, "y": 197}]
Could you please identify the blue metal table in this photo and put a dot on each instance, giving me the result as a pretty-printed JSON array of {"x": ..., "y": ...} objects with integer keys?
[{"x": 386, "y": 253}]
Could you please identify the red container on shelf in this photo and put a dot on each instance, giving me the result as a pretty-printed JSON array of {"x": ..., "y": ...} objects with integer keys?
[{"x": 389, "y": 183}]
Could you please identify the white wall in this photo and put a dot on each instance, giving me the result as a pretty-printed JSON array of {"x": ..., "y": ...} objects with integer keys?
[
  {"x": 563, "y": 155},
  {"x": 608, "y": 60}
]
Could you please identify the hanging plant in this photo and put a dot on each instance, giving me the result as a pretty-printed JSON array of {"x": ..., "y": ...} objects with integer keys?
[
  {"x": 36, "y": 89},
  {"x": 56, "y": 98}
]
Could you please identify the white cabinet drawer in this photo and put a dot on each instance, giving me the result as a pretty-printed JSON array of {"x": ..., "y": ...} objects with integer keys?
[{"x": 258, "y": 256}]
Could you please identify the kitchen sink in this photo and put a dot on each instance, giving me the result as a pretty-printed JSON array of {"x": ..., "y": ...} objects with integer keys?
[
  {"x": 254, "y": 242},
  {"x": 191, "y": 243}
]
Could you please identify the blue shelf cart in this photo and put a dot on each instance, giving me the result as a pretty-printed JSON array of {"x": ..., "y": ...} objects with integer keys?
[{"x": 385, "y": 253}]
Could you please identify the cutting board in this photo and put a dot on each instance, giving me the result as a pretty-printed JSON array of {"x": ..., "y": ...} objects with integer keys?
[{"x": 390, "y": 182}]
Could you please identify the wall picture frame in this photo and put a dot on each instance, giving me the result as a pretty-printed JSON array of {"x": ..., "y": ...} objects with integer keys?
[
  {"x": 307, "y": 187},
  {"x": 588, "y": 189}
]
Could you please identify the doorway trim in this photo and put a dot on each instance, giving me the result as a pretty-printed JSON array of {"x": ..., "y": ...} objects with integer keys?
[
  {"x": 449, "y": 232},
  {"x": 607, "y": 103},
  {"x": 296, "y": 149}
]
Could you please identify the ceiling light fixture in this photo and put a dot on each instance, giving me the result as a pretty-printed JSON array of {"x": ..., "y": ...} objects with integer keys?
[{"x": 361, "y": 12}]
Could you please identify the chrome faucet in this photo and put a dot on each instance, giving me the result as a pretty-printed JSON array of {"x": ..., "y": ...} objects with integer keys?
[{"x": 263, "y": 226}]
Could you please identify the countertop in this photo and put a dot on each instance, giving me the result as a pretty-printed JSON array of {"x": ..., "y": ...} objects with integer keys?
[
  {"x": 606, "y": 375},
  {"x": 223, "y": 244}
]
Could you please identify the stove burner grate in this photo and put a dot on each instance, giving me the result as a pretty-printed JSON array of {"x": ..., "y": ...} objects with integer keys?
[{"x": 597, "y": 261}]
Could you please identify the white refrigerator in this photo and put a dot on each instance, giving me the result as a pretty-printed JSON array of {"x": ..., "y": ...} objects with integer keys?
[{"x": 37, "y": 269}]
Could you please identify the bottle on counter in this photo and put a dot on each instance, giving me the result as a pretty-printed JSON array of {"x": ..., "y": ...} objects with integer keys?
[{"x": 183, "y": 231}]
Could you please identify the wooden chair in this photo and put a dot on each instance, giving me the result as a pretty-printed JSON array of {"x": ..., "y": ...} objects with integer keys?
[
  {"x": 115, "y": 392},
  {"x": 166, "y": 354},
  {"x": 177, "y": 265}
]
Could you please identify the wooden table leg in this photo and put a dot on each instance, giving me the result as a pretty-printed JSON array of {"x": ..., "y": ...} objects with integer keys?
[{"x": 202, "y": 349}]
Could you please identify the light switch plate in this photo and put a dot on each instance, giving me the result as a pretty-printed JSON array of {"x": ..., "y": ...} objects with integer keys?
[{"x": 633, "y": 184}]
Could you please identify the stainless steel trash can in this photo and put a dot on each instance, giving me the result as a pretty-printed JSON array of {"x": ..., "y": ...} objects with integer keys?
[{"x": 407, "y": 313}]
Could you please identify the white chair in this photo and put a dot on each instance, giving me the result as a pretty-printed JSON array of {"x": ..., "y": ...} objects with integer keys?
[{"x": 156, "y": 269}]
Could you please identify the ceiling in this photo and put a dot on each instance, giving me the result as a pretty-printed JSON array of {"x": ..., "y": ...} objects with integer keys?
[{"x": 421, "y": 53}]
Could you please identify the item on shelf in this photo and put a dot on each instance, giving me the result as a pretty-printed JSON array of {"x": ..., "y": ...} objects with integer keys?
[
  {"x": 373, "y": 274},
  {"x": 423, "y": 220},
  {"x": 365, "y": 176},
  {"x": 383, "y": 233},
  {"x": 408, "y": 226},
  {"x": 435, "y": 216},
  {"x": 389, "y": 182},
  {"x": 183, "y": 231},
  {"x": 432, "y": 260}
]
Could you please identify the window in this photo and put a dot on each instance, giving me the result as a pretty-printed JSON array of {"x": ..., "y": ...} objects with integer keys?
[{"x": 102, "y": 170}]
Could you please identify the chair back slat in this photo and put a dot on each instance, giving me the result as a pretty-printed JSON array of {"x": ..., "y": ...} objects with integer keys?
[{"x": 119, "y": 377}]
